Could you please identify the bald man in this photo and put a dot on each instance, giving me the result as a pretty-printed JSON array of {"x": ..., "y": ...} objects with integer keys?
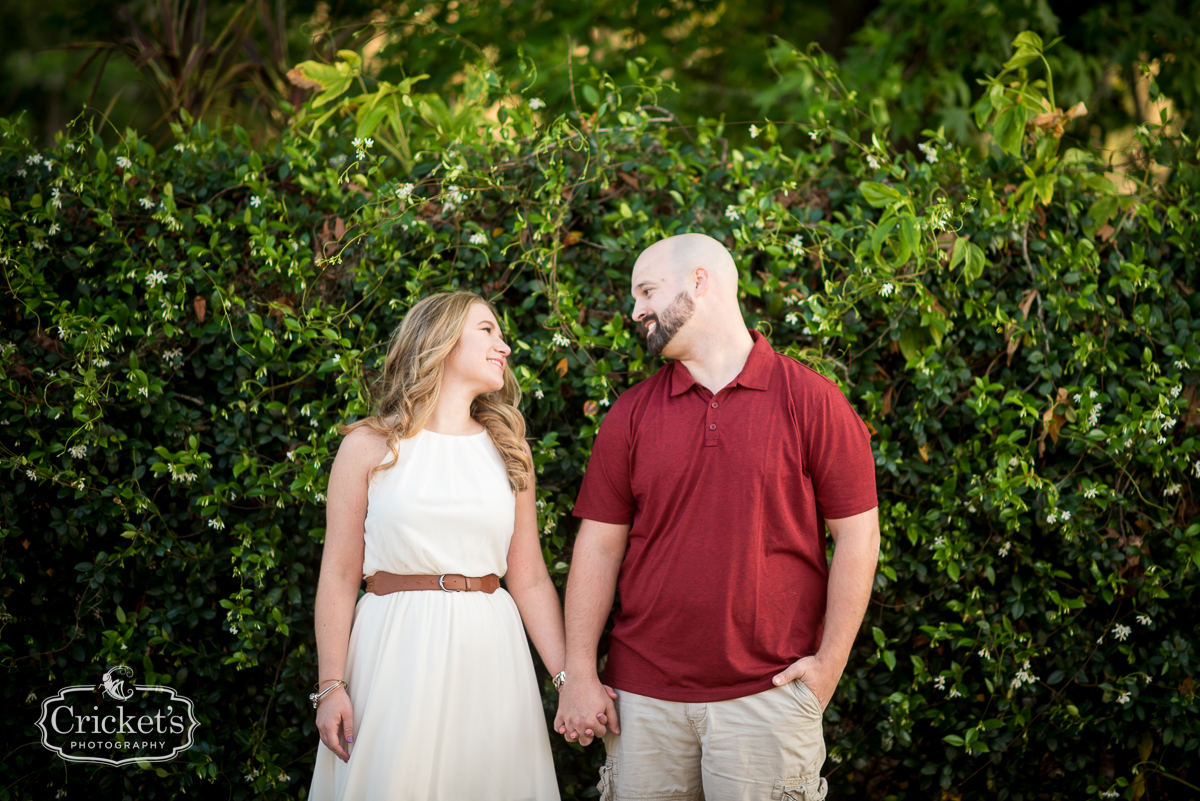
[{"x": 705, "y": 502}]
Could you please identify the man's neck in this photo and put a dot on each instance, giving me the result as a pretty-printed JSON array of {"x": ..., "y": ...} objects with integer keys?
[{"x": 715, "y": 360}]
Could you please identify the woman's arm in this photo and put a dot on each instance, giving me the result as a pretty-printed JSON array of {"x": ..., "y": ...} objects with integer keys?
[
  {"x": 531, "y": 587},
  {"x": 341, "y": 576}
]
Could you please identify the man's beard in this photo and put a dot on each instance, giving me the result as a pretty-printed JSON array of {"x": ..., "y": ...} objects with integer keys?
[{"x": 673, "y": 318}]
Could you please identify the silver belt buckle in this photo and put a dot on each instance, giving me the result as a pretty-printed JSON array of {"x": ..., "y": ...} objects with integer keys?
[{"x": 441, "y": 580}]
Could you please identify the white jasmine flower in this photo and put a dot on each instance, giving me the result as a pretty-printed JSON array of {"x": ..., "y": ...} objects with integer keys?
[
  {"x": 604, "y": 401},
  {"x": 100, "y": 362},
  {"x": 1077, "y": 397},
  {"x": 291, "y": 455},
  {"x": 144, "y": 392},
  {"x": 1175, "y": 390},
  {"x": 874, "y": 164},
  {"x": 560, "y": 341},
  {"x": 21, "y": 172},
  {"x": 38, "y": 244},
  {"x": 34, "y": 159},
  {"x": 1121, "y": 631},
  {"x": 732, "y": 213},
  {"x": 1093, "y": 394},
  {"x": 1123, "y": 698},
  {"x": 940, "y": 682},
  {"x": 216, "y": 522},
  {"x": 954, "y": 693},
  {"x": 356, "y": 143},
  {"x": 478, "y": 239},
  {"x": 1172, "y": 489},
  {"x": 256, "y": 202},
  {"x": 1112, "y": 793},
  {"x": 813, "y": 135},
  {"x": 180, "y": 147},
  {"x": 1144, "y": 620},
  {"x": 983, "y": 654},
  {"x": 1066, "y": 515},
  {"x": 124, "y": 163},
  {"x": 538, "y": 394},
  {"x": 1052, "y": 517},
  {"x": 886, "y": 289},
  {"x": 1013, "y": 461},
  {"x": 53, "y": 229},
  {"x": 754, "y": 131},
  {"x": 537, "y": 103},
  {"x": 792, "y": 318},
  {"x": 78, "y": 451},
  {"x": 930, "y": 152},
  {"x": 369, "y": 142},
  {"x": 796, "y": 244},
  {"x": 146, "y": 202},
  {"x": 32, "y": 475},
  {"x": 939, "y": 542},
  {"x": 1090, "y": 492},
  {"x": 405, "y": 191},
  {"x": 155, "y": 278}
]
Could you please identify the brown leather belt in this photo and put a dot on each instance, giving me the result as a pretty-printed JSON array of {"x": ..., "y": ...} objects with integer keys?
[{"x": 382, "y": 583}]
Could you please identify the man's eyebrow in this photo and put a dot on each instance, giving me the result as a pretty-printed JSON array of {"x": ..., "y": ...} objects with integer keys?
[{"x": 642, "y": 285}]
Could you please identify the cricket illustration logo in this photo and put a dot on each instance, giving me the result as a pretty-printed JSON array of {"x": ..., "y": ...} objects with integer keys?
[{"x": 115, "y": 688}]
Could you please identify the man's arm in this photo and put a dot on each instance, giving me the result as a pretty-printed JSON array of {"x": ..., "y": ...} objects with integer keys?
[
  {"x": 851, "y": 576},
  {"x": 584, "y": 707}
]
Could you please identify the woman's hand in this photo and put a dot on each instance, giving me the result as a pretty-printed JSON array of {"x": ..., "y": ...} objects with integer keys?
[{"x": 335, "y": 722}]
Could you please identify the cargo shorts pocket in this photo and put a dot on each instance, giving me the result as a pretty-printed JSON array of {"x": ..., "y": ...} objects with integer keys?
[
  {"x": 806, "y": 697},
  {"x": 608, "y": 779},
  {"x": 800, "y": 789}
]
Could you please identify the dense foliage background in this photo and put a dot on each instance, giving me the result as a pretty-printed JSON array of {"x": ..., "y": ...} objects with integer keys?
[{"x": 1014, "y": 315}]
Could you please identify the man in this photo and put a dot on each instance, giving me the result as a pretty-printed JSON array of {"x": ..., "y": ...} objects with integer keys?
[{"x": 705, "y": 501}]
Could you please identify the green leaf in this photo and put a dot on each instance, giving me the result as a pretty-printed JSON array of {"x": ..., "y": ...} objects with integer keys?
[
  {"x": 880, "y": 637},
  {"x": 879, "y": 195}
]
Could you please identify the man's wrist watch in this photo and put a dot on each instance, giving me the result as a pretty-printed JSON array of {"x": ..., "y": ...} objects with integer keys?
[{"x": 560, "y": 679}]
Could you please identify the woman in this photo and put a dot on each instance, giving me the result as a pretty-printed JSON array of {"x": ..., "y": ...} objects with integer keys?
[{"x": 431, "y": 693}]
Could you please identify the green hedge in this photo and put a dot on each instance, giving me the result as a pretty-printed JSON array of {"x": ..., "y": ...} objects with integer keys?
[{"x": 184, "y": 330}]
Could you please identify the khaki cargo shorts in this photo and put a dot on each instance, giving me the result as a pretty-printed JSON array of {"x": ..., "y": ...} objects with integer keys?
[{"x": 763, "y": 747}]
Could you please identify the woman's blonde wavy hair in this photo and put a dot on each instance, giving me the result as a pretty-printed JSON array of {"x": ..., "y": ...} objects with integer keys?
[{"x": 407, "y": 391}]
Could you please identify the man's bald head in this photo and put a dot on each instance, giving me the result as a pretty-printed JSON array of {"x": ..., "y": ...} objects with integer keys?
[
  {"x": 679, "y": 256},
  {"x": 685, "y": 289}
]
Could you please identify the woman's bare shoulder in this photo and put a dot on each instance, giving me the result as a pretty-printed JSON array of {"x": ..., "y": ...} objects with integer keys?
[{"x": 363, "y": 447}]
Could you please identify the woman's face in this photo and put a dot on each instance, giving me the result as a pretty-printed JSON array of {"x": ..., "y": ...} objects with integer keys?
[{"x": 479, "y": 357}]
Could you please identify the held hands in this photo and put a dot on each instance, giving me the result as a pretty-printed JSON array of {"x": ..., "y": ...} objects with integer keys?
[
  {"x": 335, "y": 722},
  {"x": 586, "y": 710},
  {"x": 820, "y": 676}
]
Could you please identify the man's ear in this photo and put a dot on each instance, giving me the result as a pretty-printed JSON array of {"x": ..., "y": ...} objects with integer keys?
[{"x": 701, "y": 280}]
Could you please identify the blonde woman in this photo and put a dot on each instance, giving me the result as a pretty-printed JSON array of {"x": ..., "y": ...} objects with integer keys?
[{"x": 427, "y": 688}]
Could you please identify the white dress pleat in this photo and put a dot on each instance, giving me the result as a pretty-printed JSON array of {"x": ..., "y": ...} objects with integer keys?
[{"x": 446, "y": 704}]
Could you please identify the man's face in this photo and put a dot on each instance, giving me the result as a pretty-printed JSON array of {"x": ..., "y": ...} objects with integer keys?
[{"x": 660, "y": 313}]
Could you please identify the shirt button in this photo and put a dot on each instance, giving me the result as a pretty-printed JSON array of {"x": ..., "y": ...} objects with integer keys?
[
  {"x": 712, "y": 426},
  {"x": 714, "y": 404}
]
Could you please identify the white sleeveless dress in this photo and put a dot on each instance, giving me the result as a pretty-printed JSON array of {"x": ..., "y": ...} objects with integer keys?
[{"x": 446, "y": 704}]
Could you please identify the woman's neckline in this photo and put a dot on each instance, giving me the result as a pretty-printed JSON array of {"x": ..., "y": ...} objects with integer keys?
[{"x": 455, "y": 436}]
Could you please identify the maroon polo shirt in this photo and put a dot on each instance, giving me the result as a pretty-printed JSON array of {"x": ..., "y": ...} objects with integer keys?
[{"x": 724, "y": 579}]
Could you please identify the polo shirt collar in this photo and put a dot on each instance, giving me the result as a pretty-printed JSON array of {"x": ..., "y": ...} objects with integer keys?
[{"x": 755, "y": 374}]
